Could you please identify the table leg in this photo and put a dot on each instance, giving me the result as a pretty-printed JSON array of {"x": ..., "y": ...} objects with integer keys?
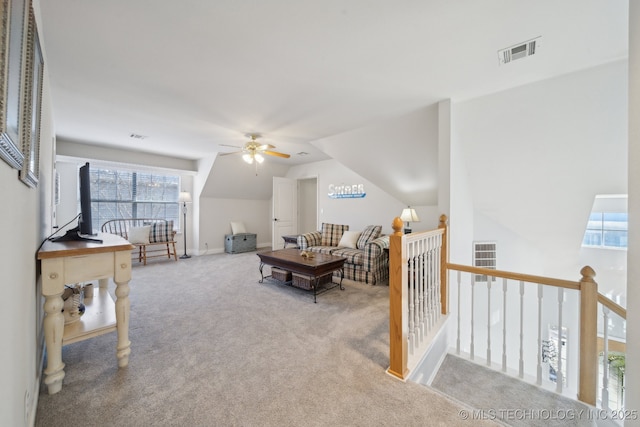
[
  {"x": 261, "y": 274},
  {"x": 122, "y": 323},
  {"x": 315, "y": 289},
  {"x": 53, "y": 330}
]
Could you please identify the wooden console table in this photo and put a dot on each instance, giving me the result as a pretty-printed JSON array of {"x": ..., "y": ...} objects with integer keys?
[{"x": 65, "y": 263}]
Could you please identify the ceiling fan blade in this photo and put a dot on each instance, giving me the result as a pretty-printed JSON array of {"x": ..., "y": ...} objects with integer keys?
[
  {"x": 275, "y": 153},
  {"x": 227, "y": 145},
  {"x": 227, "y": 154},
  {"x": 265, "y": 147}
]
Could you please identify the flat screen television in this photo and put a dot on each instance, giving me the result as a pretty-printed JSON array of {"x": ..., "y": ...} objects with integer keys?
[{"x": 85, "y": 226}]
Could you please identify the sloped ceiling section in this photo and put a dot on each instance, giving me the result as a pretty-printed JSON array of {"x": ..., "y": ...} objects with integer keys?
[
  {"x": 399, "y": 155},
  {"x": 232, "y": 178}
]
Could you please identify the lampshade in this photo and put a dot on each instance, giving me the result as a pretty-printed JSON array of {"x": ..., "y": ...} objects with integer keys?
[
  {"x": 409, "y": 215},
  {"x": 185, "y": 197},
  {"x": 247, "y": 158}
]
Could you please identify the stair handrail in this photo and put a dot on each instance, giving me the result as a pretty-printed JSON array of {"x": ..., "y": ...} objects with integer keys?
[{"x": 586, "y": 286}]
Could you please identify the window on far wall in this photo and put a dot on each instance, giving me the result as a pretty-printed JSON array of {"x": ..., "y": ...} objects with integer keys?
[
  {"x": 608, "y": 223},
  {"x": 117, "y": 194},
  {"x": 607, "y": 229}
]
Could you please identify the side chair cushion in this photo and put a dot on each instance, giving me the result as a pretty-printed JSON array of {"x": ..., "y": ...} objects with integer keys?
[
  {"x": 332, "y": 233},
  {"x": 238, "y": 227},
  {"x": 161, "y": 232},
  {"x": 371, "y": 232},
  {"x": 139, "y": 235}
]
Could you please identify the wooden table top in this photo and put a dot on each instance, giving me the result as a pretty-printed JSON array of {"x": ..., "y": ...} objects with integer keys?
[
  {"x": 110, "y": 243},
  {"x": 290, "y": 259}
]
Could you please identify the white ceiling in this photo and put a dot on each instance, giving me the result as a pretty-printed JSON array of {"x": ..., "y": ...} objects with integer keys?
[{"x": 194, "y": 74}]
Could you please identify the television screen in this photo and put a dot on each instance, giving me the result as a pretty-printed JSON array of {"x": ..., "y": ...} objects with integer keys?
[{"x": 85, "y": 223}]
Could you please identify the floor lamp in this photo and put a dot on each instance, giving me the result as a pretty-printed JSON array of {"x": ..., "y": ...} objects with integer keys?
[{"x": 185, "y": 197}]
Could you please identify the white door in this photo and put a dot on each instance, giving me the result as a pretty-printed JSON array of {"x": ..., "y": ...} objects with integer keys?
[{"x": 285, "y": 210}]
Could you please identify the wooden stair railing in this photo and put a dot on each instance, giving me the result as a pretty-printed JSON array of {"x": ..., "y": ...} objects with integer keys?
[
  {"x": 402, "y": 300},
  {"x": 589, "y": 298}
]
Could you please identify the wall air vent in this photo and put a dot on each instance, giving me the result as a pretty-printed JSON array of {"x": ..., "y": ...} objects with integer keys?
[
  {"x": 519, "y": 51},
  {"x": 484, "y": 255}
]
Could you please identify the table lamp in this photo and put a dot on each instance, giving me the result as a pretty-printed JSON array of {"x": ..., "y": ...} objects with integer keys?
[{"x": 409, "y": 215}]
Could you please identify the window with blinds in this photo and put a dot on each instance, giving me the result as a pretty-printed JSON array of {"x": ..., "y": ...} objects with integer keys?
[
  {"x": 484, "y": 255},
  {"x": 117, "y": 194}
]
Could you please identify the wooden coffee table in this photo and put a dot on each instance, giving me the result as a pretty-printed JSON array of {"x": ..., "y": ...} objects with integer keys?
[{"x": 314, "y": 268}]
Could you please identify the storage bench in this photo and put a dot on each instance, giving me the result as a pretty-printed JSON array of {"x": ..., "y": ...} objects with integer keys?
[{"x": 242, "y": 242}]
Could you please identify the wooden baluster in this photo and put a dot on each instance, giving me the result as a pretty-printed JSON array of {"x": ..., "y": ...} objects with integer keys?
[
  {"x": 605, "y": 360},
  {"x": 489, "y": 280},
  {"x": 397, "y": 302},
  {"x": 559, "y": 372},
  {"x": 588, "y": 382},
  {"x": 504, "y": 325},
  {"x": 539, "y": 349},
  {"x": 444, "y": 260}
]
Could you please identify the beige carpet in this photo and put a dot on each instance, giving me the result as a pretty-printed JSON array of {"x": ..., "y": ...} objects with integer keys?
[
  {"x": 515, "y": 402},
  {"x": 213, "y": 347}
]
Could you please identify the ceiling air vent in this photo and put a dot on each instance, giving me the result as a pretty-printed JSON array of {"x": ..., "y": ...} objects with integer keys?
[{"x": 519, "y": 51}]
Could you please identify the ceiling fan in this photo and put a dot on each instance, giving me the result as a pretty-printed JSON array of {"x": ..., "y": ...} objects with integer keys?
[{"x": 253, "y": 150}]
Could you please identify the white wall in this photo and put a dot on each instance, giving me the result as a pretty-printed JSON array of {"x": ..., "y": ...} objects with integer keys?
[
  {"x": 377, "y": 208},
  {"x": 526, "y": 165},
  {"x": 217, "y": 214},
  {"x": 25, "y": 218},
  {"x": 538, "y": 154},
  {"x": 79, "y": 150},
  {"x": 633, "y": 274}
]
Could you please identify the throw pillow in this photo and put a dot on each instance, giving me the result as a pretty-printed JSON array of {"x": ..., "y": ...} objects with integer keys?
[
  {"x": 332, "y": 233},
  {"x": 237, "y": 228},
  {"x": 139, "y": 235},
  {"x": 161, "y": 232},
  {"x": 371, "y": 232},
  {"x": 350, "y": 239}
]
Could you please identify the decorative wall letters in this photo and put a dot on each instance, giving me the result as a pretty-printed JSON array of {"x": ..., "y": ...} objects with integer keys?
[{"x": 355, "y": 191}]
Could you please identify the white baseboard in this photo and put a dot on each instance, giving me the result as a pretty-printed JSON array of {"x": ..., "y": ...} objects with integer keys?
[{"x": 427, "y": 367}]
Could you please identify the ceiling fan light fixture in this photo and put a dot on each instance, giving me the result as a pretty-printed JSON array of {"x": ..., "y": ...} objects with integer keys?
[
  {"x": 258, "y": 157},
  {"x": 247, "y": 158}
]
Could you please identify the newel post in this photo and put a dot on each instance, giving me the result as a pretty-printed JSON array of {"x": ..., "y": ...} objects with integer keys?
[
  {"x": 398, "y": 322},
  {"x": 588, "y": 337},
  {"x": 444, "y": 272}
]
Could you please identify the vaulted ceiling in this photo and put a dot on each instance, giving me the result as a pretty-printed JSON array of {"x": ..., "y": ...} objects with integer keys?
[{"x": 195, "y": 76}]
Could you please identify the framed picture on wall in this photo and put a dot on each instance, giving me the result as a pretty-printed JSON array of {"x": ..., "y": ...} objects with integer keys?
[
  {"x": 14, "y": 15},
  {"x": 30, "y": 126}
]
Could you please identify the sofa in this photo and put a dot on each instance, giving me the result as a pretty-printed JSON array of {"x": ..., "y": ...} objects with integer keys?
[{"x": 367, "y": 261}]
